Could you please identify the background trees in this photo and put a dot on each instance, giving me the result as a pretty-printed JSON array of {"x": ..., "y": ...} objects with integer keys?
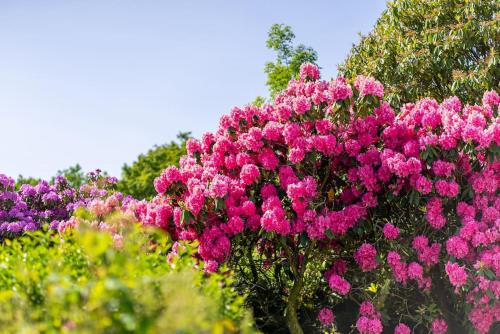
[
  {"x": 137, "y": 179},
  {"x": 288, "y": 57},
  {"x": 435, "y": 48}
]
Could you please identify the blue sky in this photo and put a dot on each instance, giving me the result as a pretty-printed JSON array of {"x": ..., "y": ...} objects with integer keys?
[{"x": 99, "y": 82}]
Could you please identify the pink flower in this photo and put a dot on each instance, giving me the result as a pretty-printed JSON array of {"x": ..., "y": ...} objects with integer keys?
[
  {"x": 219, "y": 186},
  {"x": 249, "y": 173},
  {"x": 211, "y": 266},
  {"x": 365, "y": 256},
  {"x": 193, "y": 146},
  {"x": 399, "y": 268},
  {"x": 195, "y": 202},
  {"x": 339, "y": 267},
  {"x": 423, "y": 185},
  {"x": 391, "y": 231},
  {"x": 367, "y": 309},
  {"x": 339, "y": 285},
  {"x": 402, "y": 329},
  {"x": 491, "y": 98},
  {"x": 443, "y": 168},
  {"x": 465, "y": 210},
  {"x": 415, "y": 271},
  {"x": 352, "y": 147},
  {"x": 339, "y": 89},
  {"x": 296, "y": 155},
  {"x": 482, "y": 318},
  {"x": 308, "y": 70},
  {"x": 447, "y": 189},
  {"x": 426, "y": 254},
  {"x": 434, "y": 213},
  {"x": 235, "y": 225},
  {"x": 456, "y": 274},
  {"x": 214, "y": 245},
  {"x": 366, "y": 325},
  {"x": 325, "y": 316},
  {"x": 301, "y": 105},
  {"x": 268, "y": 159},
  {"x": 272, "y": 131},
  {"x": 420, "y": 242},
  {"x": 439, "y": 326},
  {"x": 369, "y": 200},
  {"x": 368, "y": 86},
  {"x": 457, "y": 247}
]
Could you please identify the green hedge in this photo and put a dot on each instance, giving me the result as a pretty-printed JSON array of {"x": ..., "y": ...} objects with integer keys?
[{"x": 80, "y": 282}]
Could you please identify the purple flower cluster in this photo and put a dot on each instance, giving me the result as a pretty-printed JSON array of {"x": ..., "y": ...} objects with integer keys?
[{"x": 30, "y": 207}]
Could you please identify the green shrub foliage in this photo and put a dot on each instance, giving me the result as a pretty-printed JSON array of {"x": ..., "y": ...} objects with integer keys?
[
  {"x": 434, "y": 48},
  {"x": 137, "y": 179},
  {"x": 82, "y": 281}
]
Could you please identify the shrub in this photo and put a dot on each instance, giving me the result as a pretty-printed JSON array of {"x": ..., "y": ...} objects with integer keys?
[
  {"x": 32, "y": 206},
  {"x": 434, "y": 48},
  {"x": 82, "y": 281},
  {"x": 298, "y": 195}
]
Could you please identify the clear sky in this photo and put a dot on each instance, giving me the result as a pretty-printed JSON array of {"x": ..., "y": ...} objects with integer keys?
[{"x": 98, "y": 82}]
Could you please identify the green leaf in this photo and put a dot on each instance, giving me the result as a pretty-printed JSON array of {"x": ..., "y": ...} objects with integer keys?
[{"x": 186, "y": 216}]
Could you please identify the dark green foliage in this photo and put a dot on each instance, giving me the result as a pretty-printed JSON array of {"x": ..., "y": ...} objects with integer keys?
[
  {"x": 137, "y": 179},
  {"x": 434, "y": 48}
]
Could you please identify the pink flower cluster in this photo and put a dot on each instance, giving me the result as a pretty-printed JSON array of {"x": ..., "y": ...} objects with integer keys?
[
  {"x": 291, "y": 175},
  {"x": 428, "y": 255},
  {"x": 339, "y": 285},
  {"x": 369, "y": 319},
  {"x": 365, "y": 256},
  {"x": 390, "y": 231},
  {"x": 368, "y": 86},
  {"x": 326, "y": 316},
  {"x": 402, "y": 329},
  {"x": 439, "y": 326},
  {"x": 456, "y": 273}
]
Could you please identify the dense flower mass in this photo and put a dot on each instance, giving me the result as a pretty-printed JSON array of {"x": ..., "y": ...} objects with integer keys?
[
  {"x": 30, "y": 207},
  {"x": 329, "y": 172},
  {"x": 325, "y": 316},
  {"x": 113, "y": 214}
]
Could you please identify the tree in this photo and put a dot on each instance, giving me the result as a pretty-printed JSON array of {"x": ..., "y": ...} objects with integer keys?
[
  {"x": 288, "y": 57},
  {"x": 25, "y": 180},
  {"x": 137, "y": 179},
  {"x": 435, "y": 48}
]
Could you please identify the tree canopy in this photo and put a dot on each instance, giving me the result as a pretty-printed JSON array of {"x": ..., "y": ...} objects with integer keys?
[
  {"x": 288, "y": 57},
  {"x": 435, "y": 48},
  {"x": 137, "y": 179}
]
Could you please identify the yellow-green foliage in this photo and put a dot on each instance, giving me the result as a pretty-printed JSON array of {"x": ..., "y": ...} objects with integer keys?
[{"x": 79, "y": 282}]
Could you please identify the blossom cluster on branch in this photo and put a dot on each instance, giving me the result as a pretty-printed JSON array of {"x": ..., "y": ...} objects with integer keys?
[{"x": 331, "y": 168}]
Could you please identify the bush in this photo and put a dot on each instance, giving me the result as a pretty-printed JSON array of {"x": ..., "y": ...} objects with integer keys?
[
  {"x": 31, "y": 206},
  {"x": 82, "y": 281},
  {"x": 435, "y": 48},
  {"x": 327, "y": 197}
]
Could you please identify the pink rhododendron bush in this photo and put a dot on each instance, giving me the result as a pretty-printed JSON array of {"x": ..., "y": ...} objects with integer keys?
[{"x": 336, "y": 199}]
